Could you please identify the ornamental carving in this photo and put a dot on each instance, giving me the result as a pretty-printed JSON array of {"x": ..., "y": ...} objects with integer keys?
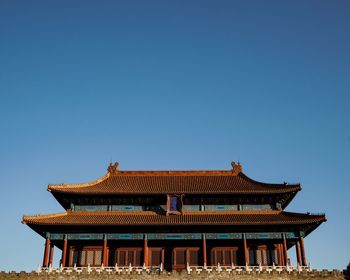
[
  {"x": 113, "y": 168},
  {"x": 236, "y": 168}
]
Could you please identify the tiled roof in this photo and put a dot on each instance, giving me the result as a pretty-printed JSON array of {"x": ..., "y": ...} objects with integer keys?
[
  {"x": 187, "y": 182},
  {"x": 123, "y": 218}
]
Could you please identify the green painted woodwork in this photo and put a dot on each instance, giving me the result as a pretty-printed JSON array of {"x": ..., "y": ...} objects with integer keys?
[
  {"x": 264, "y": 235},
  {"x": 175, "y": 236},
  {"x": 221, "y": 207},
  {"x": 91, "y": 208},
  {"x": 126, "y": 208},
  {"x": 83, "y": 236},
  {"x": 125, "y": 236},
  {"x": 223, "y": 235},
  {"x": 57, "y": 236},
  {"x": 160, "y": 208},
  {"x": 256, "y": 207},
  {"x": 194, "y": 207}
]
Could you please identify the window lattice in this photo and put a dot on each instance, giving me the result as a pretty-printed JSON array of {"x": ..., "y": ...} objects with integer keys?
[{"x": 98, "y": 257}]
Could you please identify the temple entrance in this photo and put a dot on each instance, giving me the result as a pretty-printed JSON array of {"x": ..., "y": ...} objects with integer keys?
[{"x": 183, "y": 256}]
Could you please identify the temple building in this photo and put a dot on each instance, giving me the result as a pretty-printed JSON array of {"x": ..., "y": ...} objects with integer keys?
[{"x": 174, "y": 219}]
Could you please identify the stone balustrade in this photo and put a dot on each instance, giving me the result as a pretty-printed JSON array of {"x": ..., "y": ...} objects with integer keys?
[{"x": 191, "y": 272}]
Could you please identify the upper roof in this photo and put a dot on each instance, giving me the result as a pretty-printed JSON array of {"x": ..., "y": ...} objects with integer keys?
[{"x": 232, "y": 181}]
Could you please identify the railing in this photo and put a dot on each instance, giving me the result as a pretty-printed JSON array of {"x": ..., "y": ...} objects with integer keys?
[{"x": 189, "y": 269}]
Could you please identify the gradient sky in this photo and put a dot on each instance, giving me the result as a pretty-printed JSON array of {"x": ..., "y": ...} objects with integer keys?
[{"x": 174, "y": 85}]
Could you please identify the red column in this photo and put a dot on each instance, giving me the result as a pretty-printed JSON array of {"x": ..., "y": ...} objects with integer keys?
[
  {"x": 105, "y": 256},
  {"x": 303, "y": 256},
  {"x": 64, "y": 252},
  {"x": 285, "y": 253},
  {"x": 46, "y": 253},
  {"x": 204, "y": 250},
  {"x": 52, "y": 247},
  {"x": 246, "y": 257},
  {"x": 297, "y": 247},
  {"x": 145, "y": 251},
  {"x": 280, "y": 254}
]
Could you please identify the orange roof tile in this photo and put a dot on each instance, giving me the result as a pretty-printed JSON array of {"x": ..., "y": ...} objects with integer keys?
[
  {"x": 195, "y": 182},
  {"x": 124, "y": 218}
]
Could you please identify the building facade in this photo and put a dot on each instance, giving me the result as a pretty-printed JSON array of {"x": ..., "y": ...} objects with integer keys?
[{"x": 174, "y": 219}]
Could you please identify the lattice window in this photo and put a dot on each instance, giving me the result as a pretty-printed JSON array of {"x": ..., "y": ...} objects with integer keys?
[
  {"x": 121, "y": 258},
  {"x": 259, "y": 257},
  {"x": 272, "y": 257},
  {"x": 86, "y": 256},
  {"x": 263, "y": 255},
  {"x": 182, "y": 256},
  {"x": 83, "y": 258},
  {"x": 98, "y": 258},
  {"x": 90, "y": 257},
  {"x": 127, "y": 256},
  {"x": 224, "y": 256}
]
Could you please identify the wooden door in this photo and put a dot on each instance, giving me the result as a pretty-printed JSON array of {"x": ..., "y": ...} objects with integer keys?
[
  {"x": 183, "y": 256},
  {"x": 127, "y": 256},
  {"x": 225, "y": 256},
  {"x": 156, "y": 257}
]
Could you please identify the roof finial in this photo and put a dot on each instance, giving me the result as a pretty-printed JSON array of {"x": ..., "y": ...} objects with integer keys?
[
  {"x": 112, "y": 168},
  {"x": 236, "y": 168}
]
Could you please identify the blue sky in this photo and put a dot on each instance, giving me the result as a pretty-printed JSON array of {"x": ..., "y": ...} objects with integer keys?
[{"x": 174, "y": 85}]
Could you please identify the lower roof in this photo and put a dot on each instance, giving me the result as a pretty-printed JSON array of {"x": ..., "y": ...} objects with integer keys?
[{"x": 147, "y": 218}]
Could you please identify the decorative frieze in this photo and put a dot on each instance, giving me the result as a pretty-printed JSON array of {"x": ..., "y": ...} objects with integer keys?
[{"x": 176, "y": 236}]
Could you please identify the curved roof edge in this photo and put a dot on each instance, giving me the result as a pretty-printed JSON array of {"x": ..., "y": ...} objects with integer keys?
[
  {"x": 129, "y": 218},
  {"x": 53, "y": 187}
]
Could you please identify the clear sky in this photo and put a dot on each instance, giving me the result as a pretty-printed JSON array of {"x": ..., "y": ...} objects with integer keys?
[{"x": 174, "y": 85}]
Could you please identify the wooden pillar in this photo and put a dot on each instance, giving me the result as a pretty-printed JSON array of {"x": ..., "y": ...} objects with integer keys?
[
  {"x": 298, "y": 253},
  {"x": 52, "y": 248},
  {"x": 285, "y": 253},
  {"x": 280, "y": 248},
  {"x": 105, "y": 255},
  {"x": 46, "y": 252},
  {"x": 204, "y": 250},
  {"x": 279, "y": 254},
  {"x": 145, "y": 250},
  {"x": 303, "y": 256},
  {"x": 64, "y": 251},
  {"x": 245, "y": 248}
]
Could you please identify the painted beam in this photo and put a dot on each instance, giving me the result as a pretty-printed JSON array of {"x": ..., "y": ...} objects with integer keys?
[{"x": 176, "y": 236}]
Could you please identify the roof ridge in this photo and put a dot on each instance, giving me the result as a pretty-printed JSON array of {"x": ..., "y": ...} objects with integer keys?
[{"x": 174, "y": 172}]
